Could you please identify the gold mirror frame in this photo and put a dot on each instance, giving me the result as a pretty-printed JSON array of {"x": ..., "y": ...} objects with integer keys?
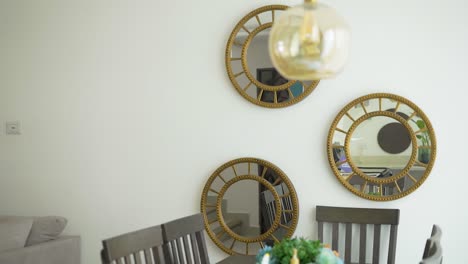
[
  {"x": 251, "y": 175},
  {"x": 413, "y": 161},
  {"x": 245, "y": 68}
]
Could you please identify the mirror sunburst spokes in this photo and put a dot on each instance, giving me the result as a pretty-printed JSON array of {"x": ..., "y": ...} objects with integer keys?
[
  {"x": 267, "y": 88},
  {"x": 359, "y": 153},
  {"x": 248, "y": 203}
]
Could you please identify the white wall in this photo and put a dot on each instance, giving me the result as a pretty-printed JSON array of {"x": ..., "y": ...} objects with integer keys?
[{"x": 124, "y": 104}]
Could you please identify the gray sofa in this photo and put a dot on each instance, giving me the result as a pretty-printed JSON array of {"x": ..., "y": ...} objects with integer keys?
[{"x": 37, "y": 240}]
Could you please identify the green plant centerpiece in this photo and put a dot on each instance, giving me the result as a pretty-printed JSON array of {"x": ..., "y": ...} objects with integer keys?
[{"x": 308, "y": 251}]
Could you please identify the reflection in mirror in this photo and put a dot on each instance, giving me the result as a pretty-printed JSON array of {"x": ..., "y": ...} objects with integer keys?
[
  {"x": 251, "y": 248},
  {"x": 240, "y": 208},
  {"x": 384, "y": 189},
  {"x": 366, "y": 146},
  {"x": 381, "y": 146},
  {"x": 394, "y": 138},
  {"x": 240, "y": 211},
  {"x": 249, "y": 203},
  {"x": 249, "y": 208},
  {"x": 261, "y": 68},
  {"x": 250, "y": 68},
  {"x": 268, "y": 203},
  {"x": 257, "y": 52},
  {"x": 424, "y": 140}
]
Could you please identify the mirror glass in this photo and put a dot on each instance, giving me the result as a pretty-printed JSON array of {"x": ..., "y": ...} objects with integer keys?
[
  {"x": 250, "y": 68},
  {"x": 247, "y": 196},
  {"x": 390, "y": 146},
  {"x": 257, "y": 52},
  {"x": 241, "y": 208},
  {"x": 366, "y": 143}
]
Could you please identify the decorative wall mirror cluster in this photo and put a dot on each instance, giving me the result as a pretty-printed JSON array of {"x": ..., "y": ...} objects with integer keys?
[
  {"x": 249, "y": 66},
  {"x": 381, "y": 147},
  {"x": 248, "y": 203}
]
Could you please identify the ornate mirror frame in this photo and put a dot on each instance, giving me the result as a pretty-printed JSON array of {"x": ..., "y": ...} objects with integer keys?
[
  {"x": 252, "y": 81},
  {"x": 414, "y": 133},
  {"x": 254, "y": 175}
]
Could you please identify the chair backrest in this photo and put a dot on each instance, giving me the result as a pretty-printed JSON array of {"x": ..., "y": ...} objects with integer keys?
[
  {"x": 267, "y": 208},
  {"x": 142, "y": 246},
  {"x": 185, "y": 241},
  {"x": 286, "y": 203},
  {"x": 363, "y": 217},
  {"x": 433, "y": 250},
  {"x": 268, "y": 203}
]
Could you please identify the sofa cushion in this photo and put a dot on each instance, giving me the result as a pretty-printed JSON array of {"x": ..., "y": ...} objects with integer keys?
[
  {"x": 14, "y": 232},
  {"x": 46, "y": 228}
]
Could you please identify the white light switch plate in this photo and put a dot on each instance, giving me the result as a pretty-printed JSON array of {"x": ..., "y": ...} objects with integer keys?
[{"x": 13, "y": 128}]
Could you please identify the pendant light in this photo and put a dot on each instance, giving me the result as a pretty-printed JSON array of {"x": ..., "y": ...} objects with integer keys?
[{"x": 309, "y": 42}]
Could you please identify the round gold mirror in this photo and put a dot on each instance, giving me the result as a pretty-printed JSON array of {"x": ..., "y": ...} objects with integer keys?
[
  {"x": 249, "y": 203},
  {"x": 249, "y": 66},
  {"x": 381, "y": 147}
]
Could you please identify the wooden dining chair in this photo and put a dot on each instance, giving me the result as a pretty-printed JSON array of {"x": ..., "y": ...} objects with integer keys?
[
  {"x": 142, "y": 246},
  {"x": 185, "y": 241},
  {"x": 433, "y": 250},
  {"x": 363, "y": 217},
  {"x": 286, "y": 204},
  {"x": 268, "y": 207}
]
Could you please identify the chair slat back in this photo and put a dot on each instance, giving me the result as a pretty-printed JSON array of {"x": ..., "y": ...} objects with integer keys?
[
  {"x": 129, "y": 247},
  {"x": 436, "y": 255},
  {"x": 392, "y": 243},
  {"x": 286, "y": 204},
  {"x": 267, "y": 208},
  {"x": 364, "y": 217},
  {"x": 433, "y": 249},
  {"x": 185, "y": 241},
  {"x": 348, "y": 242}
]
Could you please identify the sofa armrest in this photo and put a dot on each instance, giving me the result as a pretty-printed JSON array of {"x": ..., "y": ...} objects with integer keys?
[{"x": 63, "y": 250}]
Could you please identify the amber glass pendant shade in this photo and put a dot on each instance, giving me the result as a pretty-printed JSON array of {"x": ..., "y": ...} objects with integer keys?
[{"x": 309, "y": 42}]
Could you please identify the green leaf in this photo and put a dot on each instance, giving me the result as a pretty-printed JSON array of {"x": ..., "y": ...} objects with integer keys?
[
  {"x": 419, "y": 136},
  {"x": 420, "y": 124}
]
